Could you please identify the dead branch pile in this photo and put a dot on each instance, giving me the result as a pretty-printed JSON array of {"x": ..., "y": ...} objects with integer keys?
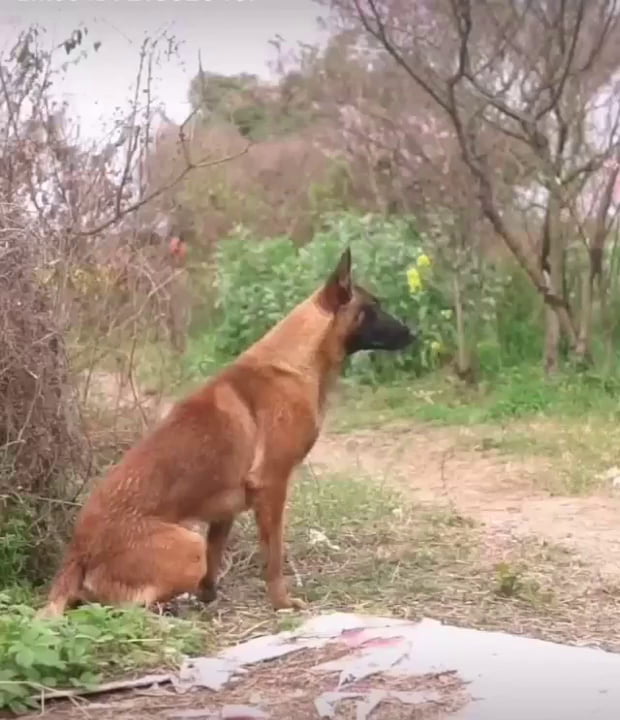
[{"x": 43, "y": 451}]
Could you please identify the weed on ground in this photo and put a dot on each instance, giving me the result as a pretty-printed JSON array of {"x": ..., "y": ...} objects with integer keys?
[{"x": 82, "y": 648}]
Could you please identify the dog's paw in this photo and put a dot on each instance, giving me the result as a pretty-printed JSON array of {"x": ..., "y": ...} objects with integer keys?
[
  {"x": 289, "y": 603},
  {"x": 298, "y": 604},
  {"x": 165, "y": 609},
  {"x": 49, "y": 612},
  {"x": 207, "y": 593}
]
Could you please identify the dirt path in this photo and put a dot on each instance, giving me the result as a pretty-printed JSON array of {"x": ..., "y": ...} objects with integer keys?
[{"x": 443, "y": 465}]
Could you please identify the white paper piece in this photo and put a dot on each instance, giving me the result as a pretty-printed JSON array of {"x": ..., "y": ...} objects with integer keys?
[
  {"x": 267, "y": 647},
  {"x": 375, "y": 656},
  {"x": 228, "y": 712},
  {"x": 334, "y": 624},
  {"x": 212, "y": 673},
  {"x": 192, "y": 715}
]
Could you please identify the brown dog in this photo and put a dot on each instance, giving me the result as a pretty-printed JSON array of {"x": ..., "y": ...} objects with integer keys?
[{"x": 229, "y": 447}]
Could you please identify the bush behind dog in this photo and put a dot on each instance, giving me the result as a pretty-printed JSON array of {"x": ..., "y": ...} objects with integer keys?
[{"x": 260, "y": 280}]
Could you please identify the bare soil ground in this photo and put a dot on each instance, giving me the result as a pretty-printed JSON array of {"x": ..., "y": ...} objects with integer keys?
[{"x": 505, "y": 492}]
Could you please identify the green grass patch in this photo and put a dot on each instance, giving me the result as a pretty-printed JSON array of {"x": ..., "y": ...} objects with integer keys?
[
  {"x": 83, "y": 647},
  {"x": 580, "y": 450},
  {"x": 522, "y": 393},
  {"x": 571, "y": 421}
]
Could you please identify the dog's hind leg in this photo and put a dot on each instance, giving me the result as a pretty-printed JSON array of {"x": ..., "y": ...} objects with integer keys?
[
  {"x": 163, "y": 561},
  {"x": 216, "y": 544}
]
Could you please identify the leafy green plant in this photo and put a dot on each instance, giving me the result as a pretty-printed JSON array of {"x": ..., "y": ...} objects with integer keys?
[
  {"x": 518, "y": 323},
  {"x": 259, "y": 281},
  {"x": 15, "y": 544},
  {"x": 78, "y": 649}
]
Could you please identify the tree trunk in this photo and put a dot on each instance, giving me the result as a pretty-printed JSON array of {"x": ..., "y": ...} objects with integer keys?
[
  {"x": 554, "y": 303},
  {"x": 595, "y": 270},
  {"x": 582, "y": 350},
  {"x": 552, "y": 267},
  {"x": 552, "y": 342},
  {"x": 463, "y": 358}
]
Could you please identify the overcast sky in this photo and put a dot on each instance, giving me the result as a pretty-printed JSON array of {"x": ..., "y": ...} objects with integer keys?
[{"x": 231, "y": 35}]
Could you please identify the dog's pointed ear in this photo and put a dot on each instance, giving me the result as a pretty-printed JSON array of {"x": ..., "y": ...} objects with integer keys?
[{"x": 339, "y": 286}]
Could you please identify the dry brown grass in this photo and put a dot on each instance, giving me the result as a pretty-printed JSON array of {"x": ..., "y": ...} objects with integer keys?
[
  {"x": 43, "y": 451},
  {"x": 358, "y": 546}
]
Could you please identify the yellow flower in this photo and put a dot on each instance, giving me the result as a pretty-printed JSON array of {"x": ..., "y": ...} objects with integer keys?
[
  {"x": 424, "y": 261},
  {"x": 436, "y": 346},
  {"x": 414, "y": 280}
]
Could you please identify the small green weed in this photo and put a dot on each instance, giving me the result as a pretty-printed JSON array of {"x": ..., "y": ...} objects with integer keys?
[
  {"x": 15, "y": 544},
  {"x": 509, "y": 581},
  {"x": 78, "y": 649}
]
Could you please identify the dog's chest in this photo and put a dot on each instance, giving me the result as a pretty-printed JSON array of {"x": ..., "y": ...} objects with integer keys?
[{"x": 281, "y": 446}]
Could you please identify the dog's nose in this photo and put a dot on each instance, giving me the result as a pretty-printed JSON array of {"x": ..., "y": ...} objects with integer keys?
[{"x": 409, "y": 335}]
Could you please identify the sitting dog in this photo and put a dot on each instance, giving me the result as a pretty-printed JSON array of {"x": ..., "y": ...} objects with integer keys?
[{"x": 229, "y": 447}]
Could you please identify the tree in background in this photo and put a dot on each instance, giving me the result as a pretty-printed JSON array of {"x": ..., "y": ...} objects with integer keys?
[
  {"x": 402, "y": 158},
  {"x": 535, "y": 81},
  {"x": 258, "y": 110}
]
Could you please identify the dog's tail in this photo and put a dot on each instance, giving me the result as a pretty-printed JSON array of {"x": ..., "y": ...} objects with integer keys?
[{"x": 66, "y": 589}]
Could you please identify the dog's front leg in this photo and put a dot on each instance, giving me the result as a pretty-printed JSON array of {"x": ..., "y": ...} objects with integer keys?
[{"x": 269, "y": 512}]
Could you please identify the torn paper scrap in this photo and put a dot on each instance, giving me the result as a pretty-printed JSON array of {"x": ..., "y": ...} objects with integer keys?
[
  {"x": 371, "y": 658},
  {"x": 212, "y": 673},
  {"x": 266, "y": 647},
  {"x": 242, "y": 712}
]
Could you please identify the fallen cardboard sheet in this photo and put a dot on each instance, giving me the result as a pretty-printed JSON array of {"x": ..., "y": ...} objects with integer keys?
[
  {"x": 216, "y": 672},
  {"x": 355, "y": 631},
  {"x": 508, "y": 677}
]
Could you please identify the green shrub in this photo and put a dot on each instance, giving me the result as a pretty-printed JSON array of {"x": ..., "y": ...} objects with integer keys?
[
  {"x": 519, "y": 320},
  {"x": 15, "y": 544},
  {"x": 259, "y": 281},
  {"x": 76, "y": 649}
]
